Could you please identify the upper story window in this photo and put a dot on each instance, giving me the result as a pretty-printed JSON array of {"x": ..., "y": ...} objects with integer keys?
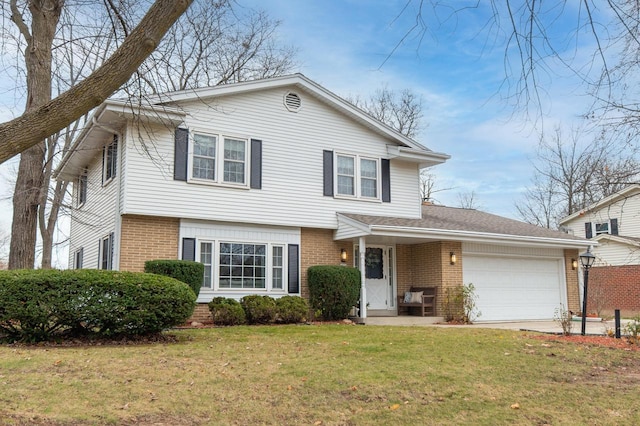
[
  {"x": 82, "y": 188},
  {"x": 593, "y": 229},
  {"x": 109, "y": 160},
  {"x": 220, "y": 162},
  {"x": 357, "y": 176}
]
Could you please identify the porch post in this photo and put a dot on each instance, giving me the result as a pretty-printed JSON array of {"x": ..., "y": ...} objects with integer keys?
[{"x": 362, "y": 249}]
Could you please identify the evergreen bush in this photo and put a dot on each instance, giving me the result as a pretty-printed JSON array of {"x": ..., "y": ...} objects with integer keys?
[
  {"x": 38, "y": 305},
  {"x": 259, "y": 309},
  {"x": 226, "y": 311},
  {"x": 291, "y": 309},
  {"x": 187, "y": 271},
  {"x": 333, "y": 290}
]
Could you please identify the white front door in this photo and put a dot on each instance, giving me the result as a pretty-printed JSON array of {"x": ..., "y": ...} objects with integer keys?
[{"x": 376, "y": 274}]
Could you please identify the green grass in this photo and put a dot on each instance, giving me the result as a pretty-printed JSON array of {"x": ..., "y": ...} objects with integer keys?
[{"x": 329, "y": 374}]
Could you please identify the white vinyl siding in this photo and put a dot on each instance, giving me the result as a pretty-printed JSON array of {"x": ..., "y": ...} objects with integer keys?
[
  {"x": 96, "y": 218},
  {"x": 292, "y": 166}
]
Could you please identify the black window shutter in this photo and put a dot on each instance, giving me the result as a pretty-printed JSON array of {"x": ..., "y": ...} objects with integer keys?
[
  {"x": 614, "y": 226},
  {"x": 293, "y": 269},
  {"x": 189, "y": 249},
  {"x": 385, "y": 169},
  {"x": 588, "y": 232},
  {"x": 256, "y": 164},
  {"x": 180, "y": 154},
  {"x": 327, "y": 172}
]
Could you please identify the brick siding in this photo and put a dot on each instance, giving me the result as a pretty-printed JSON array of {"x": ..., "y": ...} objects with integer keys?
[
  {"x": 571, "y": 276},
  {"x": 317, "y": 247},
  {"x": 147, "y": 238},
  {"x": 614, "y": 287}
]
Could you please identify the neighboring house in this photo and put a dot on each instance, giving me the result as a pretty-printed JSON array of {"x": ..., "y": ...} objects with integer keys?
[
  {"x": 614, "y": 225},
  {"x": 262, "y": 179}
]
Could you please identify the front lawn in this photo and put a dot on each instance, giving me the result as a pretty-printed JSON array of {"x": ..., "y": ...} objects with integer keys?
[{"x": 323, "y": 375}]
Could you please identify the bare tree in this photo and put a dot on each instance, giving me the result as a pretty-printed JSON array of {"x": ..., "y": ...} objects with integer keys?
[
  {"x": 400, "y": 110},
  {"x": 429, "y": 186},
  {"x": 572, "y": 173},
  {"x": 468, "y": 200}
]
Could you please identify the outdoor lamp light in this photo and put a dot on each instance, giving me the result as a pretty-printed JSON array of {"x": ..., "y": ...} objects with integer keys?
[
  {"x": 586, "y": 260},
  {"x": 452, "y": 258},
  {"x": 343, "y": 255},
  {"x": 574, "y": 264}
]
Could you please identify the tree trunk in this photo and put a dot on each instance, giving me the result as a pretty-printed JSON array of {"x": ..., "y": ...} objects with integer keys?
[
  {"x": 26, "y": 197},
  {"x": 36, "y": 124}
]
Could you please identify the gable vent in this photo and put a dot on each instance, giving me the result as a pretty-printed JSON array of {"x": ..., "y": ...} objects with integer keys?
[{"x": 292, "y": 101}]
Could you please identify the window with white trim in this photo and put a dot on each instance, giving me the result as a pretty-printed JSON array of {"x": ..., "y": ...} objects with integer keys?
[
  {"x": 78, "y": 258},
  {"x": 110, "y": 161},
  {"x": 357, "y": 176},
  {"x": 219, "y": 162},
  {"x": 106, "y": 252},
  {"x": 82, "y": 188},
  {"x": 601, "y": 228},
  {"x": 232, "y": 265}
]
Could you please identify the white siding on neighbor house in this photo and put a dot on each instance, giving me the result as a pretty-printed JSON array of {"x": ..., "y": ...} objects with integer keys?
[
  {"x": 244, "y": 233},
  {"x": 614, "y": 253},
  {"x": 627, "y": 211},
  {"x": 97, "y": 217},
  {"x": 292, "y": 166}
]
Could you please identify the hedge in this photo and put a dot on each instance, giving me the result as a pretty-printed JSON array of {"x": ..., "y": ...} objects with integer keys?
[
  {"x": 37, "y": 305},
  {"x": 187, "y": 271},
  {"x": 333, "y": 290}
]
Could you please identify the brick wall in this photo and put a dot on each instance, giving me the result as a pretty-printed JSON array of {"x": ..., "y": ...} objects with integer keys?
[
  {"x": 146, "y": 238},
  {"x": 614, "y": 287},
  {"x": 317, "y": 247},
  {"x": 428, "y": 264},
  {"x": 571, "y": 275}
]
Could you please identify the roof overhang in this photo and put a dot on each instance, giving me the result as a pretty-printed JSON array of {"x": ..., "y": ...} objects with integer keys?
[
  {"x": 108, "y": 119},
  {"x": 629, "y": 191},
  {"x": 617, "y": 239},
  {"x": 423, "y": 158},
  {"x": 349, "y": 228}
]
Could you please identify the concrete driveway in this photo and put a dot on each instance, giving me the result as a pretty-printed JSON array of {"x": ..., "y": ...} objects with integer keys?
[{"x": 546, "y": 326}]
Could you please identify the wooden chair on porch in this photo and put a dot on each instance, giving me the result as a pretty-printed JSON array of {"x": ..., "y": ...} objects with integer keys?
[{"x": 419, "y": 299}]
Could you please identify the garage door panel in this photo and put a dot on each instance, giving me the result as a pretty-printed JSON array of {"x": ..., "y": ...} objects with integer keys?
[{"x": 514, "y": 288}]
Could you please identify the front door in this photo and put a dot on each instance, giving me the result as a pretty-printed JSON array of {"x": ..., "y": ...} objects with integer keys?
[{"x": 376, "y": 263}]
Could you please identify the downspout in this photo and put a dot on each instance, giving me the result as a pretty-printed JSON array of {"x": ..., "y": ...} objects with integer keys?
[
  {"x": 363, "y": 290},
  {"x": 119, "y": 176}
]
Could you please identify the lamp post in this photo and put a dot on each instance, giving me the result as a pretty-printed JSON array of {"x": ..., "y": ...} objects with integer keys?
[{"x": 586, "y": 260}]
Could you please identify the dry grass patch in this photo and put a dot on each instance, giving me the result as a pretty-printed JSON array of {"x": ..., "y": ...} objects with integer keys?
[{"x": 326, "y": 374}]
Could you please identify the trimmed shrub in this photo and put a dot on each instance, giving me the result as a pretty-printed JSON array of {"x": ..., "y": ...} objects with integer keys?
[
  {"x": 38, "y": 305},
  {"x": 186, "y": 271},
  {"x": 259, "y": 309},
  {"x": 226, "y": 311},
  {"x": 291, "y": 309},
  {"x": 333, "y": 290}
]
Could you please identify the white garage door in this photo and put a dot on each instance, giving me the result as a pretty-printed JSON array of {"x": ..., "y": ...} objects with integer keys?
[{"x": 515, "y": 288}]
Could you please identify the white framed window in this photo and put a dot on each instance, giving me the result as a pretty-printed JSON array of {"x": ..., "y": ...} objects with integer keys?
[
  {"x": 78, "y": 258},
  {"x": 206, "y": 258},
  {"x": 110, "y": 161},
  {"x": 219, "y": 159},
  {"x": 277, "y": 267},
  {"x": 230, "y": 265},
  {"x": 105, "y": 256},
  {"x": 357, "y": 177},
  {"x": 82, "y": 188}
]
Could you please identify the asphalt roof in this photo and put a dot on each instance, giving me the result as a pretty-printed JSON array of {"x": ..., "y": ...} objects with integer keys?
[{"x": 458, "y": 219}]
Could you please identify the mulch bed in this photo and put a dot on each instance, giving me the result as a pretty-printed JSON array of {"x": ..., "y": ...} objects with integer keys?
[{"x": 623, "y": 343}]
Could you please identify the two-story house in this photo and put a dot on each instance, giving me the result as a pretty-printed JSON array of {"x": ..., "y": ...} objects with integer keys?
[
  {"x": 613, "y": 224},
  {"x": 262, "y": 179}
]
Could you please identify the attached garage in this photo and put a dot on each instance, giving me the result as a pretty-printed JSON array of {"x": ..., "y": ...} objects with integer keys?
[{"x": 515, "y": 284}]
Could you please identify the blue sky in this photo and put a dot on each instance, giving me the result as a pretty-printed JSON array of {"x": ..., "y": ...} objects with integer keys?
[{"x": 457, "y": 66}]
